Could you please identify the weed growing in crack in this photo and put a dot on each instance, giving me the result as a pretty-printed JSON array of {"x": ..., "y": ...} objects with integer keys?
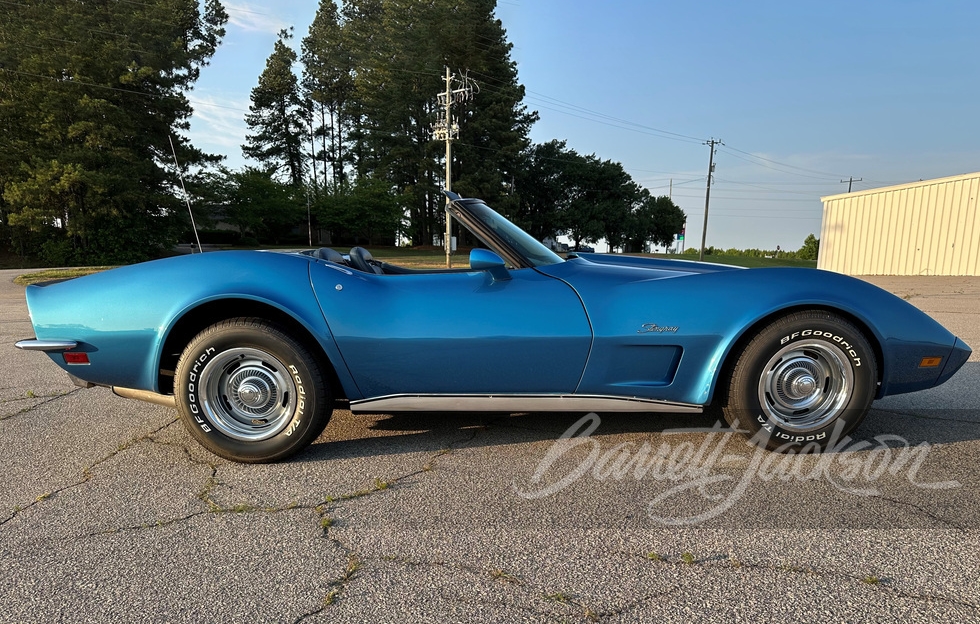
[
  {"x": 331, "y": 596},
  {"x": 687, "y": 558},
  {"x": 654, "y": 556},
  {"x": 560, "y": 597},
  {"x": 326, "y": 522},
  {"x": 339, "y": 584},
  {"x": 871, "y": 579},
  {"x": 31, "y": 395},
  {"x": 503, "y": 575},
  {"x": 204, "y": 495},
  {"x": 42, "y": 497}
]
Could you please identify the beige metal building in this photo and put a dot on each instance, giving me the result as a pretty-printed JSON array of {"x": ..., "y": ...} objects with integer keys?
[{"x": 930, "y": 227}]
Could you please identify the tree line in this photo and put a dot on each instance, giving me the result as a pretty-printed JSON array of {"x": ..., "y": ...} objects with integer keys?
[
  {"x": 339, "y": 134},
  {"x": 809, "y": 251}
]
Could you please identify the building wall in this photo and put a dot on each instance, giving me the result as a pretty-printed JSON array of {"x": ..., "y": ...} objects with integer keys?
[{"x": 924, "y": 228}]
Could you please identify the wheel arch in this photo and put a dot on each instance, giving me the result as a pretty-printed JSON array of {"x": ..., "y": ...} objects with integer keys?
[
  {"x": 736, "y": 346},
  {"x": 196, "y": 319}
]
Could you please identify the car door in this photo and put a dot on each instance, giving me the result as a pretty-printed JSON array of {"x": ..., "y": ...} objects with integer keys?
[{"x": 460, "y": 332}]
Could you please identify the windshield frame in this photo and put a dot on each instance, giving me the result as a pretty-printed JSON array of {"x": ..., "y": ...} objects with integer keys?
[{"x": 498, "y": 233}]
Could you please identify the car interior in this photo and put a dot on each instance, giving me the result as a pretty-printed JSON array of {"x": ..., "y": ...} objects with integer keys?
[{"x": 361, "y": 259}]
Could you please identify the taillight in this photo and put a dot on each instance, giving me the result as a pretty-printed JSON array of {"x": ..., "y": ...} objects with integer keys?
[{"x": 76, "y": 358}]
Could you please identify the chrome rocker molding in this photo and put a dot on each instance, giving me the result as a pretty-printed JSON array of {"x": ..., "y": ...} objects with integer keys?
[
  {"x": 46, "y": 345},
  {"x": 166, "y": 400},
  {"x": 515, "y": 403}
]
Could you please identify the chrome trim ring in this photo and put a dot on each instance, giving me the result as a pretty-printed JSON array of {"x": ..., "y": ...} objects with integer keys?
[
  {"x": 247, "y": 394},
  {"x": 805, "y": 385}
]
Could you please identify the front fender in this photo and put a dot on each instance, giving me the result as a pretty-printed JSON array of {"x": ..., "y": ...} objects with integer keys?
[{"x": 712, "y": 312}]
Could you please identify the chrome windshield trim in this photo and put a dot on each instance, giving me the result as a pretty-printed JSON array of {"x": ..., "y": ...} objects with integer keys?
[
  {"x": 46, "y": 345},
  {"x": 516, "y": 403}
]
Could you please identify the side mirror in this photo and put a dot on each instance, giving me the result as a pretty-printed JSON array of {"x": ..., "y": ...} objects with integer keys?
[{"x": 486, "y": 260}]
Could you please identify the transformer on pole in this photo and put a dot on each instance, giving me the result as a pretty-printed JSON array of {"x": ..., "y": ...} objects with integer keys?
[{"x": 446, "y": 128}]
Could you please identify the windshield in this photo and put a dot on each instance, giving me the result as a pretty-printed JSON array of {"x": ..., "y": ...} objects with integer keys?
[{"x": 513, "y": 236}]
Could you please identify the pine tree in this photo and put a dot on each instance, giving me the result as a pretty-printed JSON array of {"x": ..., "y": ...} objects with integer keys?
[
  {"x": 328, "y": 84},
  {"x": 382, "y": 63},
  {"x": 276, "y": 117},
  {"x": 90, "y": 95}
]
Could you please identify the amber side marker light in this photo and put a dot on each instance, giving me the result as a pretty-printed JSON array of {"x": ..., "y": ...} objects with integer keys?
[
  {"x": 76, "y": 358},
  {"x": 930, "y": 362}
]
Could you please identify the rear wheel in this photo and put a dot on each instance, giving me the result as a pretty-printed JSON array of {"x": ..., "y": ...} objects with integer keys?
[
  {"x": 807, "y": 378},
  {"x": 250, "y": 392}
]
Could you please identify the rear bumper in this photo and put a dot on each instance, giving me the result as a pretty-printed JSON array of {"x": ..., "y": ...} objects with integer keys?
[{"x": 46, "y": 345}]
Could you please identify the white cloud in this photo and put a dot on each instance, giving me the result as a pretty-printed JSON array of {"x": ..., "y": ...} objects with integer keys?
[
  {"x": 244, "y": 16},
  {"x": 218, "y": 125}
]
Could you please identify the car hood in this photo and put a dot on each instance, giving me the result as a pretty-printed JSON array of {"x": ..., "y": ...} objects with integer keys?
[
  {"x": 632, "y": 268},
  {"x": 663, "y": 264}
]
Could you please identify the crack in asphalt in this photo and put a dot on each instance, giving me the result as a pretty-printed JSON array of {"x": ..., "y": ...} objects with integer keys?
[
  {"x": 734, "y": 564},
  {"x": 336, "y": 587},
  {"x": 29, "y": 397},
  {"x": 925, "y": 512},
  {"x": 37, "y": 405},
  {"x": 536, "y": 591},
  {"x": 86, "y": 471}
]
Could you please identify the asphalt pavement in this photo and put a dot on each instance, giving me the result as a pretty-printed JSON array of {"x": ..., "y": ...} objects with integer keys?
[{"x": 109, "y": 511}]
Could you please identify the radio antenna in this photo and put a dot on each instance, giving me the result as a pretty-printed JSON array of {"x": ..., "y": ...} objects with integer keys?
[{"x": 187, "y": 199}]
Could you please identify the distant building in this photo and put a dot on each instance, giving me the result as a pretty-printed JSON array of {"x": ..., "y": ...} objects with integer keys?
[{"x": 930, "y": 227}]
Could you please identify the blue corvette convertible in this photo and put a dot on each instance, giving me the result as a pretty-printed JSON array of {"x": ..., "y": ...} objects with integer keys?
[{"x": 256, "y": 349}]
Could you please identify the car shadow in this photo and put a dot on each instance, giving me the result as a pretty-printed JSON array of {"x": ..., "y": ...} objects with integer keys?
[{"x": 434, "y": 432}]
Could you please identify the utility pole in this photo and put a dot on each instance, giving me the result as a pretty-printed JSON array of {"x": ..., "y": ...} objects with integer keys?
[
  {"x": 707, "y": 192},
  {"x": 850, "y": 181},
  {"x": 446, "y": 129}
]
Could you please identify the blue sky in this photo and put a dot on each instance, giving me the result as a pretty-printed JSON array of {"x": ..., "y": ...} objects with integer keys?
[{"x": 802, "y": 94}]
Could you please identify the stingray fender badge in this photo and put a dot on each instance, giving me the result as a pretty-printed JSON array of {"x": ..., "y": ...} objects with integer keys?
[{"x": 653, "y": 328}]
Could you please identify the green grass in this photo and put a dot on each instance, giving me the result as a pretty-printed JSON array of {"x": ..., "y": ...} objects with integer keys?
[
  {"x": 53, "y": 274},
  {"x": 743, "y": 261}
]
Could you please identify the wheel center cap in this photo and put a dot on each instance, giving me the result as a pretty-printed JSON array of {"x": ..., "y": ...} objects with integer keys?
[
  {"x": 251, "y": 394},
  {"x": 802, "y": 386}
]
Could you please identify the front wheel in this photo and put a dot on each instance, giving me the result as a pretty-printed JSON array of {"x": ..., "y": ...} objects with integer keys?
[
  {"x": 249, "y": 392},
  {"x": 807, "y": 378}
]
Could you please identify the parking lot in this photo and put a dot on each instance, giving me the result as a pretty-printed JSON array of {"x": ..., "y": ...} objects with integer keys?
[{"x": 109, "y": 511}]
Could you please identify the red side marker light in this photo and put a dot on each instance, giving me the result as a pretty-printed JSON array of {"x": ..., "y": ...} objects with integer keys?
[
  {"x": 76, "y": 358},
  {"x": 930, "y": 362}
]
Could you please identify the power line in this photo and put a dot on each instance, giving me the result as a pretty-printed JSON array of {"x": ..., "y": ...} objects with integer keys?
[{"x": 769, "y": 160}]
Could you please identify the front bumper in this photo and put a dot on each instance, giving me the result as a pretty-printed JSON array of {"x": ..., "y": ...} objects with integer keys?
[{"x": 957, "y": 357}]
